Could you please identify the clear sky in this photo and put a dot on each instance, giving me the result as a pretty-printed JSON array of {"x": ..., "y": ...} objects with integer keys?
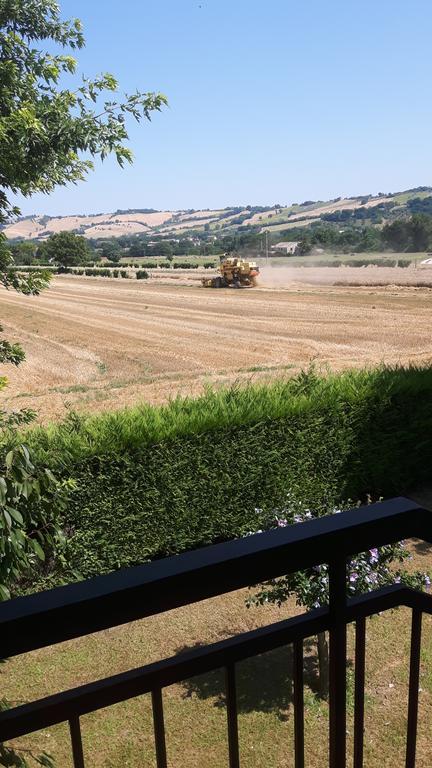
[{"x": 270, "y": 102}]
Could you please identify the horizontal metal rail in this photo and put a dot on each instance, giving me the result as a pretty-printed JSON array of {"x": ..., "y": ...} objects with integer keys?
[
  {"x": 50, "y": 617},
  {"x": 90, "y": 697}
]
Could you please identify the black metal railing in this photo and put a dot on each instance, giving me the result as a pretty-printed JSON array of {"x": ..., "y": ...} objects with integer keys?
[{"x": 37, "y": 621}]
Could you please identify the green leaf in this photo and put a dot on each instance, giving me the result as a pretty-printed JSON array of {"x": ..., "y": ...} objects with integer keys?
[
  {"x": 37, "y": 549},
  {"x": 4, "y": 592},
  {"x": 3, "y": 490},
  {"x": 17, "y": 516}
]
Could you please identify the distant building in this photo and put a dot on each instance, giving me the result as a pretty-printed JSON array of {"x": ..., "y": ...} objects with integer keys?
[{"x": 288, "y": 247}]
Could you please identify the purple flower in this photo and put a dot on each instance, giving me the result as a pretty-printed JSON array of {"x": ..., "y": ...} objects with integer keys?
[
  {"x": 353, "y": 578},
  {"x": 374, "y": 555}
]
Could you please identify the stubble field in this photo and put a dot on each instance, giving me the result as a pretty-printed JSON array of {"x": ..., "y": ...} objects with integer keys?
[{"x": 96, "y": 344}]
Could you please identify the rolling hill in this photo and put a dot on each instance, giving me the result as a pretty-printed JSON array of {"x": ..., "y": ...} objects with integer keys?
[{"x": 363, "y": 209}]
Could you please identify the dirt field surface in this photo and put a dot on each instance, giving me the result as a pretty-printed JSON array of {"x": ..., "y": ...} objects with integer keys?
[{"x": 95, "y": 343}]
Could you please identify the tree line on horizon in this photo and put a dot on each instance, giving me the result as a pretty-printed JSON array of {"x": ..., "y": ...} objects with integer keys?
[{"x": 409, "y": 235}]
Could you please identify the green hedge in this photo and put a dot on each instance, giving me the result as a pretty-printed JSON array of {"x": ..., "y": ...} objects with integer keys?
[{"x": 155, "y": 481}]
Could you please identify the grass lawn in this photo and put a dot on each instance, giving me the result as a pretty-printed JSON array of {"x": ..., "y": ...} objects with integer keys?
[{"x": 195, "y": 716}]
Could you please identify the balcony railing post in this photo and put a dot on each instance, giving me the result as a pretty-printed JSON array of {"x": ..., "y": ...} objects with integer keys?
[
  {"x": 337, "y": 608},
  {"x": 298, "y": 705},
  {"x": 232, "y": 722},
  {"x": 159, "y": 728},
  {"x": 359, "y": 691},
  {"x": 77, "y": 747},
  {"x": 413, "y": 696}
]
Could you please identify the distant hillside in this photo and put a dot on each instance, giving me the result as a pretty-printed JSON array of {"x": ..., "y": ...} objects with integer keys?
[{"x": 366, "y": 209}]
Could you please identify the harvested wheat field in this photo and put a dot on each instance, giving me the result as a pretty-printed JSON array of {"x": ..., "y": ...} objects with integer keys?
[{"x": 95, "y": 343}]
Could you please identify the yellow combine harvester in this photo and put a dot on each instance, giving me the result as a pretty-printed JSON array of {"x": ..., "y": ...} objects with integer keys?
[{"x": 234, "y": 273}]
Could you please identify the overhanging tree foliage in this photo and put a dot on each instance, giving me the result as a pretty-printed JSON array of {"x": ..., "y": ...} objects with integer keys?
[
  {"x": 44, "y": 128},
  {"x": 48, "y": 137}
]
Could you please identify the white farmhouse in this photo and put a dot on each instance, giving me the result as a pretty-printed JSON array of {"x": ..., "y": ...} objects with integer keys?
[{"x": 287, "y": 247}]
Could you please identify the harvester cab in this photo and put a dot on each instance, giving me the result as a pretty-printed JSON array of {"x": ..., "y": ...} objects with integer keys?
[{"x": 234, "y": 273}]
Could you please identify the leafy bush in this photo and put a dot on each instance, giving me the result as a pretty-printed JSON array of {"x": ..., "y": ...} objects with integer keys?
[
  {"x": 142, "y": 274},
  {"x": 147, "y": 265},
  {"x": 123, "y": 273},
  {"x": 98, "y": 272},
  {"x": 185, "y": 265},
  {"x": 156, "y": 481}
]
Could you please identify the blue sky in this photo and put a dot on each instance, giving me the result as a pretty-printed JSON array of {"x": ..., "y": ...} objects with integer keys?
[{"x": 270, "y": 102}]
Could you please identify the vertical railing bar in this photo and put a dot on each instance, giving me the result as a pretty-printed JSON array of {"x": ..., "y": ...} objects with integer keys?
[
  {"x": 413, "y": 695},
  {"x": 77, "y": 747},
  {"x": 337, "y": 698},
  {"x": 359, "y": 691},
  {"x": 298, "y": 705},
  {"x": 232, "y": 721},
  {"x": 159, "y": 728}
]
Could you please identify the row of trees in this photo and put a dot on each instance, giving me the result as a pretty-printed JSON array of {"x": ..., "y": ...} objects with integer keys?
[
  {"x": 70, "y": 249},
  {"x": 410, "y": 235}
]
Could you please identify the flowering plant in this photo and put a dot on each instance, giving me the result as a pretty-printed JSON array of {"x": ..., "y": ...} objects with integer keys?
[{"x": 378, "y": 567}]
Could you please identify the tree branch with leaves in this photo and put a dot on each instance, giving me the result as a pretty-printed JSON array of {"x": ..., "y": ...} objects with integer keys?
[{"x": 49, "y": 137}]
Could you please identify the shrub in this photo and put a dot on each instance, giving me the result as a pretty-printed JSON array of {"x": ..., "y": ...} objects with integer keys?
[
  {"x": 142, "y": 274},
  {"x": 184, "y": 265},
  {"x": 123, "y": 273},
  {"x": 156, "y": 481}
]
